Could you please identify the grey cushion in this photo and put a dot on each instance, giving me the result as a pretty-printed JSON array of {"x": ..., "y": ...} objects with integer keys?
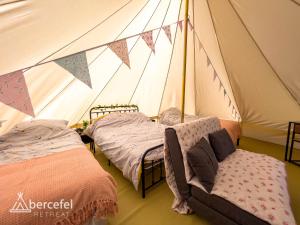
[
  {"x": 221, "y": 144},
  {"x": 203, "y": 162}
]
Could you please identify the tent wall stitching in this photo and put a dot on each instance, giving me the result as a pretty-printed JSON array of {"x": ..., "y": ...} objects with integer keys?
[
  {"x": 111, "y": 78},
  {"x": 136, "y": 87},
  {"x": 74, "y": 79},
  {"x": 262, "y": 53},
  {"x": 223, "y": 59},
  {"x": 76, "y": 39},
  {"x": 165, "y": 83}
]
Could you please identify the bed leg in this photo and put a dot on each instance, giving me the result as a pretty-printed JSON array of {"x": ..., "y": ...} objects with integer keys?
[
  {"x": 143, "y": 180},
  {"x": 238, "y": 142}
]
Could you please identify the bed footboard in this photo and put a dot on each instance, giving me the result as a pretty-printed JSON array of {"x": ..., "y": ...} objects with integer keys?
[{"x": 151, "y": 167}]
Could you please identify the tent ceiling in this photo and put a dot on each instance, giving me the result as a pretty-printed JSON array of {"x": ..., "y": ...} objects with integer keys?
[{"x": 253, "y": 46}]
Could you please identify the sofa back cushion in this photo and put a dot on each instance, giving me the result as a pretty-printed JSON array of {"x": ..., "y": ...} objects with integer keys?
[
  {"x": 202, "y": 159},
  {"x": 221, "y": 143},
  {"x": 190, "y": 133}
]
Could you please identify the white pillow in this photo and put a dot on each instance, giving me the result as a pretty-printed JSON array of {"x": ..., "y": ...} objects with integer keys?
[{"x": 47, "y": 123}]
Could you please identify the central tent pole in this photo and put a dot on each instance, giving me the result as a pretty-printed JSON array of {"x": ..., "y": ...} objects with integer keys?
[{"x": 186, "y": 15}]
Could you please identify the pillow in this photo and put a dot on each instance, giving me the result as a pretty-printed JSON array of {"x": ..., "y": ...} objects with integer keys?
[
  {"x": 203, "y": 162},
  {"x": 221, "y": 143},
  {"x": 47, "y": 123}
]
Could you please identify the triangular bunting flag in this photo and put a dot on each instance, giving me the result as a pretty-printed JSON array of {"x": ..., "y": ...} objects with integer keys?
[
  {"x": 190, "y": 25},
  {"x": 121, "y": 50},
  {"x": 215, "y": 75},
  {"x": 167, "y": 30},
  {"x": 148, "y": 38},
  {"x": 77, "y": 65},
  {"x": 14, "y": 92},
  {"x": 179, "y": 23},
  {"x": 220, "y": 85},
  {"x": 208, "y": 61},
  {"x": 200, "y": 45}
]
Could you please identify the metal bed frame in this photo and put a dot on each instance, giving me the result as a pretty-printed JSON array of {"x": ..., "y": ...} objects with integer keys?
[{"x": 148, "y": 167}]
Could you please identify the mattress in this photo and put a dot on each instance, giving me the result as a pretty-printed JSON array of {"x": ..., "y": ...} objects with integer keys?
[{"x": 125, "y": 137}]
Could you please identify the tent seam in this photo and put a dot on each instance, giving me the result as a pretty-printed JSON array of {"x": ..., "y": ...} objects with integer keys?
[
  {"x": 167, "y": 77},
  {"x": 225, "y": 65},
  {"x": 262, "y": 53},
  {"x": 150, "y": 54}
]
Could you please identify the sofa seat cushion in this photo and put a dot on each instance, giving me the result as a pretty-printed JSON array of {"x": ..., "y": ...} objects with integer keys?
[{"x": 257, "y": 184}]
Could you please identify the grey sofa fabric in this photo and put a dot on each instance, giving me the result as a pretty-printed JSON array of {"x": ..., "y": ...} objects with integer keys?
[
  {"x": 177, "y": 163},
  {"x": 226, "y": 208}
]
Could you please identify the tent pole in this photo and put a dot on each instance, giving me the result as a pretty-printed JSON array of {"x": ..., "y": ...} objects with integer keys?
[{"x": 186, "y": 15}]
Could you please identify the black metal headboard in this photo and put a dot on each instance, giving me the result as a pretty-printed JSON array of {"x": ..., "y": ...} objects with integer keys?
[{"x": 106, "y": 109}]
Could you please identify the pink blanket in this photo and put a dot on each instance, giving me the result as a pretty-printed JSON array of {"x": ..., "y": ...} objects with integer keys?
[{"x": 64, "y": 188}]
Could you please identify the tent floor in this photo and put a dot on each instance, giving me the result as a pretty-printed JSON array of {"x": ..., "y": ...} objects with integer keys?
[{"x": 156, "y": 207}]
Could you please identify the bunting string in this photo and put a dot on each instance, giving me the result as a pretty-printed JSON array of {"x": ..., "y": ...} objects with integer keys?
[
  {"x": 14, "y": 92},
  {"x": 234, "y": 111}
]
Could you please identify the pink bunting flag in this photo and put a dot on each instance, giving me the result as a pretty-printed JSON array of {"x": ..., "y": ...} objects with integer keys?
[
  {"x": 215, "y": 75},
  {"x": 179, "y": 23},
  {"x": 220, "y": 85},
  {"x": 14, "y": 92},
  {"x": 121, "y": 50},
  {"x": 148, "y": 38},
  {"x": 190, "y": 24},
  {"x": 208, "y": 61},
  {"x": 200, "y": 45},
  {"x": 167, "y": 30}
]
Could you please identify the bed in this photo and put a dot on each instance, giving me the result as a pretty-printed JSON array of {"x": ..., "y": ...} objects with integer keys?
[
  {"x": 131, "y": 141},
  {"x": 172, "y": 116},
  {"x": 47, "y": 176},
  {"x": 249, "y": 188}
]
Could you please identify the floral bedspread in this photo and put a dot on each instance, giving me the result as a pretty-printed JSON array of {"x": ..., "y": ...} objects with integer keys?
[{"x": 257, "y": 184}]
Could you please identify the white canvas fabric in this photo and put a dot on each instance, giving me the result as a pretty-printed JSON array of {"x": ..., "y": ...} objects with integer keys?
[{"x": 252, "y": 45}]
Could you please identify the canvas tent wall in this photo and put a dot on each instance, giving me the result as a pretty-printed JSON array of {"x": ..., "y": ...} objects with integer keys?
[{"x": 252, "y": 47}]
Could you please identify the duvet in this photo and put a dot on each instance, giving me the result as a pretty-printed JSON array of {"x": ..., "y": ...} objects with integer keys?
[{"x": 125, "y": 137}]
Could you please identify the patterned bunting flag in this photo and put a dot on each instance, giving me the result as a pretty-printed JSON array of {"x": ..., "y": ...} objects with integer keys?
[
  {"x": 77, "y": 65},
  {"x": 148, "y": 38},
  {"x": 200, "y": 46},
  {"x": 190, "y": 25},
  {"x": 167, "y": 30},
  {"x": 179, "y": 23},
  {"x": 208, "y": 61},
  {"x": 220, "y": 85},
  {"x": 121, "y": 50},
  {"x": 14, "y": 92},
  {"x": 215, "y": 75}
]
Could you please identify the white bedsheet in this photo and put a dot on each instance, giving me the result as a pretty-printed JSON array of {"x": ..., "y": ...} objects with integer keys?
[
  {"x": 124, "y": 138},
  {"x": 34, "y": 139}
]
